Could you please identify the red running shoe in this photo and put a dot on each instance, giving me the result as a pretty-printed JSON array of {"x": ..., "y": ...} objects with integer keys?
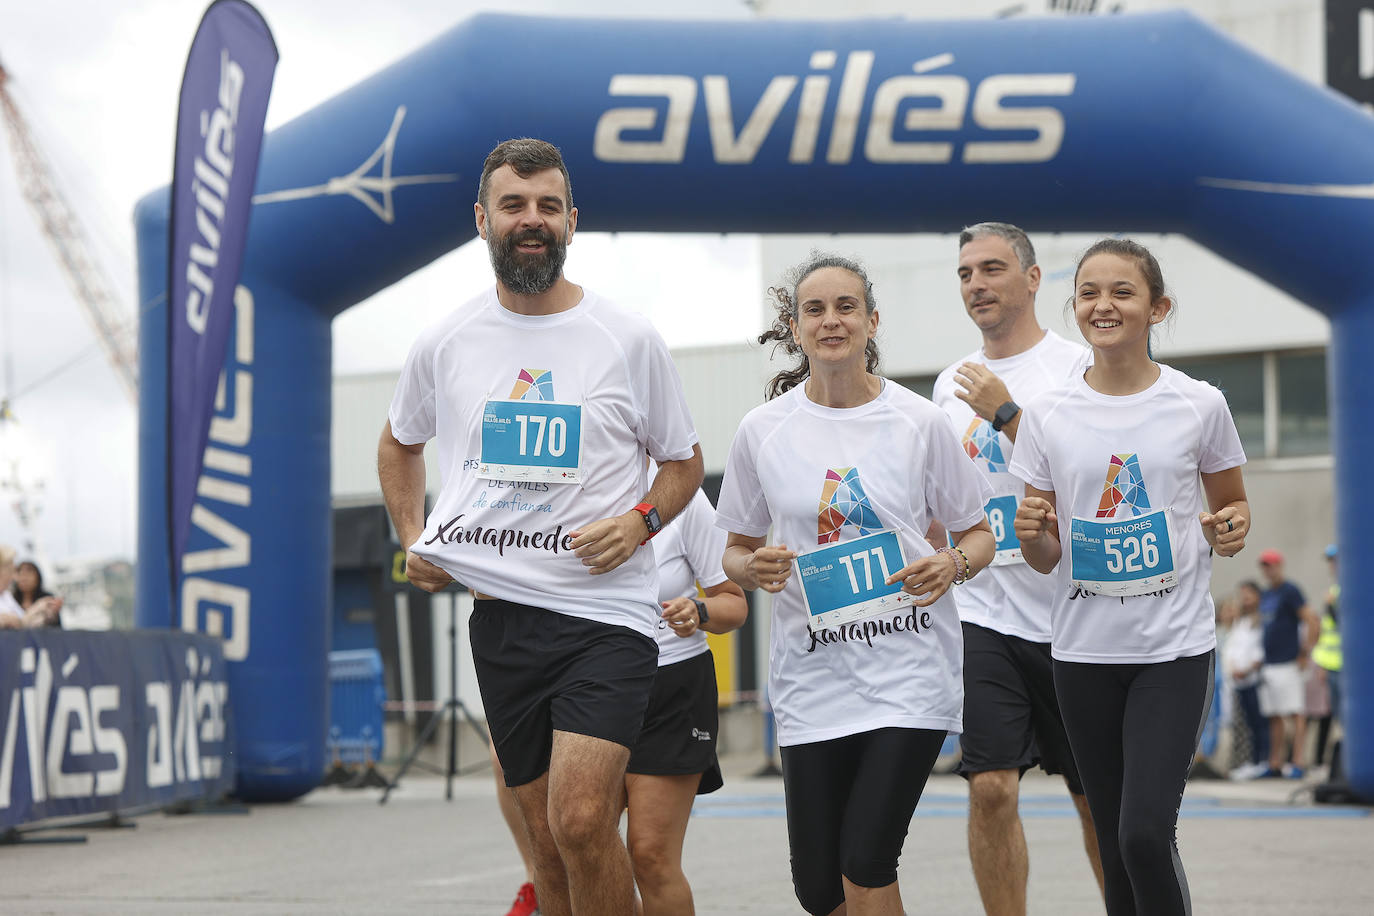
[{"x": 525, "y": 903}]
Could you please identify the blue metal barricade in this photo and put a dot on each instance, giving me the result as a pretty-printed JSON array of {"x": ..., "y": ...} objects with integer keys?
[{"x": 356, "y": 696}]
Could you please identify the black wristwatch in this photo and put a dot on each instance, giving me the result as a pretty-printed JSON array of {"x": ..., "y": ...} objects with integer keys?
[
  {"x": 702, "y": 616},
  {"x": 651, "y": 521},
  {"x": 1005, "y": 414}
]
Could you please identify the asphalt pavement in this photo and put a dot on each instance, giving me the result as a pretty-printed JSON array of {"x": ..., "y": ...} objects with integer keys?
[{"x": 1250, "y": 849}]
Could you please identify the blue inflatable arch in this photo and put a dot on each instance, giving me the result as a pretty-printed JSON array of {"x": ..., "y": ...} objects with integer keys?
[{"x": 1143, "y": 123}]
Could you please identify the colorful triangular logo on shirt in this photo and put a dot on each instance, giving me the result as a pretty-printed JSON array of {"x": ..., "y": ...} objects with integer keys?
[
  {"x": 843, "y": 502},
  {"x": 533, "y": 385},
  {"x": 984, "y": 444},
  {"x": 1123, "y": 494}
]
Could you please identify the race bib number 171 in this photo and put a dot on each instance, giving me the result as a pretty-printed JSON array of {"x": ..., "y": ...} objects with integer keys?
[{"x": 844, "y": 582}]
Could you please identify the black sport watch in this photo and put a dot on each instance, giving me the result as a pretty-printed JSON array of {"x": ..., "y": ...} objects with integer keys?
[
  {"x": 702, "y": 616},
  {"x": 651, "y": 521},
  {"x": 1005, "y": 414}
]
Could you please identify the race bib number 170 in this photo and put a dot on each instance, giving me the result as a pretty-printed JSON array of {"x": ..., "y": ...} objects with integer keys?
[{"x": 531, "y": 440}]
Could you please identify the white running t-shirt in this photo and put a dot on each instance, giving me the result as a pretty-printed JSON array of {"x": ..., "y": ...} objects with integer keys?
[
  {"x": 1124, "y": 456},
  {"x": 1012, "y": 599},
  {"x": 511, "y": 540},
  {"x": 892, "y": 463},
  {"x": 688, "y": 551},
  {"x": 1243, "y": 650},
  {"x": 9, "y": 606}
]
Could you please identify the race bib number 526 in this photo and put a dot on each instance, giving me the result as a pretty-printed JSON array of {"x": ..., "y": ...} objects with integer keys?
[{"x": 1122, "y": 557}]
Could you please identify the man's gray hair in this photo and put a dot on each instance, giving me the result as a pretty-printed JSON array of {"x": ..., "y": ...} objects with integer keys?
[{"x": 1019, "y": 242}]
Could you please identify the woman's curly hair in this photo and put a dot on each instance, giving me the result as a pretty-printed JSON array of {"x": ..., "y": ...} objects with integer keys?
[{"x": 785, "y": 300}]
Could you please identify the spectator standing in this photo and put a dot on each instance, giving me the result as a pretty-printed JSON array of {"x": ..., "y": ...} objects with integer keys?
[
  {"x": 1327, "y": 657},
  {"x": 1243, "y": 657},
  {"x": 1287, "y": 650}
]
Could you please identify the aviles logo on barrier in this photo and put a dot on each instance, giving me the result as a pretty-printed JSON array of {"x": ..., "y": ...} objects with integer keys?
[
  {"x": 209, "y": 604},
  {"x": 46, "y": 752},
  {"x": 184, "y": 715},
  {"x": 72, "y": 749},
  {"x": 882, "y": 143}
]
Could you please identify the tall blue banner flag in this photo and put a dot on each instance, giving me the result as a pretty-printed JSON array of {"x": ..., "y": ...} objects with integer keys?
[{"x": 219, "y": 134}]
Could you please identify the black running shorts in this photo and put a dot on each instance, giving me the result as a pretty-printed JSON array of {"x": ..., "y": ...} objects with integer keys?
[
  {"x": 1011, "y": 715},
  {"x": 679, "y": 735},
  {"x": 541, "y": 672}
]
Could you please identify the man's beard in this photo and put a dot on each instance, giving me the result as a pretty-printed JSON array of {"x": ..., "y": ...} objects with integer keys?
[{"x": 524, "y": 273}]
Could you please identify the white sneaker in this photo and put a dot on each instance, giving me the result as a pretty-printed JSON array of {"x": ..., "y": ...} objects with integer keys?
[{"x": 1248, "y": 771}]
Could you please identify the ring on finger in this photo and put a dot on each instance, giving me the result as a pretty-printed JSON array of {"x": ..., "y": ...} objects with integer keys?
[{"x": 1230, "y": 526}]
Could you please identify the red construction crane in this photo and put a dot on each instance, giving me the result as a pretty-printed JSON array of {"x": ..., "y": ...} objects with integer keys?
[{"x": 113, "y": 323}]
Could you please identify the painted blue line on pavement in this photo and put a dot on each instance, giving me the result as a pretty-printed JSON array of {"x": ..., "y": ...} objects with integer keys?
[
  {"x": 712, "y": 801},
  {"x": 1221, "y": 811},
  {"x": 1209, "y": 809}
]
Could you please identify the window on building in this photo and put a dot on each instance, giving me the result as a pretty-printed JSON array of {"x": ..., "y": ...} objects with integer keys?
[
  {"x": 1304, "y": 424},
  {"x": 1278, "y": 398},
  {"x": 1241, "y": 379},
  {"x": 924, "y": 385}
]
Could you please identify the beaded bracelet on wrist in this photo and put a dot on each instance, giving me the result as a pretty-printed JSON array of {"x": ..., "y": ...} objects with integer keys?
[
  {"x": 960, "y": 563},
  {"x": 968, "y": 567}
]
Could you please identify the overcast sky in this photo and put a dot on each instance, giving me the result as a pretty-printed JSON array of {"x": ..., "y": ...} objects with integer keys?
[{"x": 97, "y": 82}]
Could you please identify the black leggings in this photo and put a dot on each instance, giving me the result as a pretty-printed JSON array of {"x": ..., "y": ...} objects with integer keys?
[
  {"x": 1134, "y": 730},
  {"x": 849, "y": 804}
]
